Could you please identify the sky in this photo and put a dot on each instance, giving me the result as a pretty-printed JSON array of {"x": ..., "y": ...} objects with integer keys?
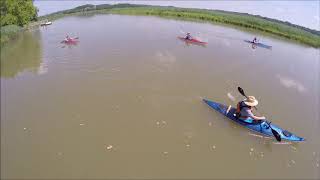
[{"x": 303, "y": 13}]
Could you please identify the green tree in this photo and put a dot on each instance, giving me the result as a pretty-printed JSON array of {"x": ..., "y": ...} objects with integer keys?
[{"x": 18, "y": 12}]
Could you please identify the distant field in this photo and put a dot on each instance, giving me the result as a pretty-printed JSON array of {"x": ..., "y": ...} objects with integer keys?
[{"x": 269, "y": 26}]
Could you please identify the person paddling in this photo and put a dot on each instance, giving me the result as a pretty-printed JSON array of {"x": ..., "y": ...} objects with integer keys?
[
  {"x": 68, "y": 38},
  {"x": 188, "y": 36},
  {"x": 244, "y": 110},
  {"x": 254, "y": 40}
]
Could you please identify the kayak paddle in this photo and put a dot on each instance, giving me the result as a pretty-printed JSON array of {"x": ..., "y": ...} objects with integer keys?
[
  {"x": 243, "y": 94},
  {"x": 274, "y": 132}
]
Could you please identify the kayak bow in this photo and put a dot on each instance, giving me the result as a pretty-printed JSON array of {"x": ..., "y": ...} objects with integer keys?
[{"x": 262, "y": 128}]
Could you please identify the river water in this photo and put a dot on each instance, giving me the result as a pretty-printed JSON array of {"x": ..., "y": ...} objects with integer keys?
[{"x": 126, "y": 102}]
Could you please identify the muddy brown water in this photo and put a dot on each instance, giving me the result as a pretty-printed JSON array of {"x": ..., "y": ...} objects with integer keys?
[{"x": 125, "y": 102}]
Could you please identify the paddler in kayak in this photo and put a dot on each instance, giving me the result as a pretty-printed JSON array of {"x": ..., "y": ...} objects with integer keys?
[
  {"x": 244, "y": 110},
  {"x": 68, "y": 38},
  {"x": 188, "y": 36},
  {"x": 254, "y": 40}
]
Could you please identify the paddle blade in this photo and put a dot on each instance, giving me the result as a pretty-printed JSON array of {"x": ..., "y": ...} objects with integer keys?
[
  {"x": 276, "y": 135},
  {"x": 241, "y": 91}
]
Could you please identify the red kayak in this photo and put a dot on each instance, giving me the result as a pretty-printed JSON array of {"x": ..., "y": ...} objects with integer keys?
[
  {"x": 71, "y": 41},
  {"x": 193, "y": 41}
]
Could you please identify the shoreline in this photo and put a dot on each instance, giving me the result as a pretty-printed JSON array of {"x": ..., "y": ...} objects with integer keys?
[
  {"x": 244, "y": 21},
  {"x": 10, "y": 32}
]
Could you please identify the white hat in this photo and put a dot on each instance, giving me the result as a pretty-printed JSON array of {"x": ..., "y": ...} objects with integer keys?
[{"x": 251, "y": 101}]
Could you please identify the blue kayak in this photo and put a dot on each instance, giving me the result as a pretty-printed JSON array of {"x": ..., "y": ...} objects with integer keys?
[
  {"x": 259, "y": 44},
  {"x": 262, "y": 128}
]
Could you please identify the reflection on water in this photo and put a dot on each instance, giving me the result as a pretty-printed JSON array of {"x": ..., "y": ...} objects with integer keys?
[
  {"x": 24, "y": 54},
  {"x": 291, "y": 83},
  {"x": 165, "y": 59},
  {"x": 231, "y": 97},
  {"x": 43, "y": 68}
]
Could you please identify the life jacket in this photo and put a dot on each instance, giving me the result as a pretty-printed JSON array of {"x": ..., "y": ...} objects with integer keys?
[{"x": 240, "y": 106}]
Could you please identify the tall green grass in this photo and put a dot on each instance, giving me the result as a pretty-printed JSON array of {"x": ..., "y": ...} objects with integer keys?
[
  {"x": 9, "y": 32},
  {"x": 245, "y": 21}
]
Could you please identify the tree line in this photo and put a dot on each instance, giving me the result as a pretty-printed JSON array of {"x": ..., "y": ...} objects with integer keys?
[{"x": 17, "y": 12}]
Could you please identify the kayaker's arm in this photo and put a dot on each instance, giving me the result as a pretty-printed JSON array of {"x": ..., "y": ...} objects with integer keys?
[
  {"x": 258, "y": 117},
  {"x": 250, "y": 114}
]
